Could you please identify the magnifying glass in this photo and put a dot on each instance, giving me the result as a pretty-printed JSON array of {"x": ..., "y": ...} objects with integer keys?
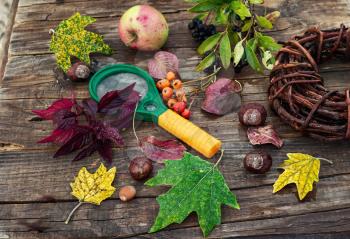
[{"x": 151, "y": 107}]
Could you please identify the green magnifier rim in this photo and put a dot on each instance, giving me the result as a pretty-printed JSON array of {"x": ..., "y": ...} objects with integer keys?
[{"x": 150, "y": 107}]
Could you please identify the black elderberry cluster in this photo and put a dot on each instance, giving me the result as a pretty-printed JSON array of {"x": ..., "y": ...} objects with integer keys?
[{"x": 201, "y": 31}]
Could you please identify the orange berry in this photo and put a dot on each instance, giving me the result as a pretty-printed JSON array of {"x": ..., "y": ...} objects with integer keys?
[
  {"x": 177, "y": 84},
  {"x": 171, "y": 103},
  {"x": 186, "y": 113},
  {"x": 179, "y": 107},
  {"x": 167, "y": 92},
  {"x": 170, "y": 76},
  {"x": 162, "y": 84}
]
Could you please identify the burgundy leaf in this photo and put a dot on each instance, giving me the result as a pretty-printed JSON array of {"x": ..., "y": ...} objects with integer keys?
[
  {"x": 159, "y": 151},
  {"x": 59, "y": 136},
  {"x": 105, "y": 151},
  {"x": 86, "y": 152},
  {"x": 115, "y": 99},
  {"x": 64, "y": 119},
  {"x": 78, "y": 141},
  {"x": 54, "y": 108},
  {"x": 90, "y": 109},
  {"x": 105, "y": 132},
  {"x": 221, "y": 97},
  {"x": 264, "y": 135},
  {"x": 162, "y": 63}
]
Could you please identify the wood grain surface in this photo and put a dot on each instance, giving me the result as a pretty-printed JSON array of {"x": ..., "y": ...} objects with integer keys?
[{"x": 34, "y": 188}]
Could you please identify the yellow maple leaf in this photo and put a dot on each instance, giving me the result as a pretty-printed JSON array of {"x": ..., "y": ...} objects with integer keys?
[
  {"x": 93, "y": 188},
  {"x": 301, "y": 169}
]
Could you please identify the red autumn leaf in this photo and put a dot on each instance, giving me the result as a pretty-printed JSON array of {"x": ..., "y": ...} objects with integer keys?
[
  {"x": 62, "y": 104},
  {"x": 59, "y": 136},
  {"x": 162, "y": 63},
  {"x": 221, "y": 97},
  {"x": 113, "y": 100},
  {"x": 159, "y": 151},
  {"x": 264, "y": 135}
]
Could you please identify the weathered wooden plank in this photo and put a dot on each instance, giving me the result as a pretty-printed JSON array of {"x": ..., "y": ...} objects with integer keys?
[
  {"x": 40, "y": 174},
  {"x": 262, "y": 213}
]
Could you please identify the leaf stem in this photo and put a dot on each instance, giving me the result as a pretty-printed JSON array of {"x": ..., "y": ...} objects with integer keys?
[
  {"x": 326, "y": 160},
  {"x": 219, "y": 160},
  {"x": 203, "y": 78},
  {"x": 133, "y": 124},
  {"x": 73, "y": 211}
]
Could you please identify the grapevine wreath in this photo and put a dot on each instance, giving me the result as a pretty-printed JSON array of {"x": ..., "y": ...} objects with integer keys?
[{"x": 297, "y": 92}]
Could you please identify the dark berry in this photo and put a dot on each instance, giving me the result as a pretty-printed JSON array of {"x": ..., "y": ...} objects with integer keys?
[
  {"x": 201, "y": 27},
  {"x": 196, "y": 22},
  {"x": 191, "y": 26},
  {"x": 236, "y": 29},
  {"x": 195, "y": 34}
]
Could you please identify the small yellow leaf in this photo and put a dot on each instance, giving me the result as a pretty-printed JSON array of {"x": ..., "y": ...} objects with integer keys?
[
  {"x": 94, "y": 188},
  {"x": 301, "y": 169}
]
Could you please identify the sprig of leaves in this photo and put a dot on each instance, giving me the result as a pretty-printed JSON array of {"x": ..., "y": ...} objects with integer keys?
[
  {"x": 90, "y": 127},
  {"x": 242, "y": 39}
]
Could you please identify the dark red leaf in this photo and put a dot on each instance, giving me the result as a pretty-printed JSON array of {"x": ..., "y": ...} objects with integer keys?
[
  {"x": 56, "y": 106},
  {"x": 78, "y": 141},
  {"x": 264, "y": 135},
  {"x": 105, "y": 150},
  {"x": 115, "y": 99},
  {"x": 90, "y": 109},
  {"x": 159, "y": 151},
  {"x": 59, "y": 136},
  {"x": 86, "y": 152},
  {"x": 221, "y": 97},
  {"x": 64, "y": 119},
  {"x": 105, "y": 132}
]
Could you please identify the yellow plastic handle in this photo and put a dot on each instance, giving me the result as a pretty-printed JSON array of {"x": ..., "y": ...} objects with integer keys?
[{"x": 189, "y": 133}]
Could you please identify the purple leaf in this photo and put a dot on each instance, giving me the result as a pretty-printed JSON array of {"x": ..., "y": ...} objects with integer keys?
[
  {"x": 105, "y": 151},
  {"x": 78, "y": 141},
  {"x": 264, "y": 135},
  {"x": 162, "y": 63},
  {"x": 90, "y": 109},
  {"x": 59, "y": 136},
  {"x": 64, "y": 119},
  {"x": 86, "y": 152},
  {"x": 114, "y": 99},
  {"x": 105, "y": 132},
  {"x": 62, "y": 104},
  {"x": 221, "y": 97},
  {"x": 159, "y": 151}
]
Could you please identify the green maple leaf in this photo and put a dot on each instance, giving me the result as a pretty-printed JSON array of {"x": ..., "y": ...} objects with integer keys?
[
  {"x": 197, "y": 186},
  {"x": 70, "y": 39}
]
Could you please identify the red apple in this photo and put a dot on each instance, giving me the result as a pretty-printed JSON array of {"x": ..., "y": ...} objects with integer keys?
[{"x": 144, "y": 28}]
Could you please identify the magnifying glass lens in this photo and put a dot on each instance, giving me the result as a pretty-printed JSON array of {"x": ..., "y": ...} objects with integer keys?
[{"x": 121, "y": 81}]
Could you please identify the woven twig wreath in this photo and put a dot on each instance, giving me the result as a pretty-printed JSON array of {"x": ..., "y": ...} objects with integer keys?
[{"x": 297, "y": 93}]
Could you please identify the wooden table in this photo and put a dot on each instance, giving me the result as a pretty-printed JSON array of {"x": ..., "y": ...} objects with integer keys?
[{"x": 34, "y": 187}]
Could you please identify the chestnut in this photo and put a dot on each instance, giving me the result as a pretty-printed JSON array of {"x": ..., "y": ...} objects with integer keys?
[
  {"x": 78, "y": 71},
  {"x": 257, "y": 161},
  {"x": 252, "y": 114},
  {"x": 140, "y": 168}
]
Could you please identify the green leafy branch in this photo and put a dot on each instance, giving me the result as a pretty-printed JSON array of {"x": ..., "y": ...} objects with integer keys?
[{"x": 242, "y": 39}]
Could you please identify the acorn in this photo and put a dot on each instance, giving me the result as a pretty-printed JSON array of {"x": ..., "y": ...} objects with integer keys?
[
  {"x": 252, "y": 114},
  {"x": 140, "y": 168},
  {"x": 78, "y": 71},
  {"x": 127, "y": 193},
  {"x": 257, "y": 161}
]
